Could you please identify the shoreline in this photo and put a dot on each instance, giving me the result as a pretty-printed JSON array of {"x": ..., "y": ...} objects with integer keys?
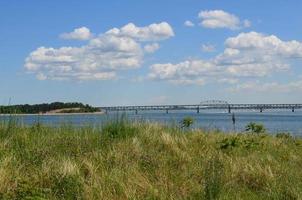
[{"x": 54, "y": 114}]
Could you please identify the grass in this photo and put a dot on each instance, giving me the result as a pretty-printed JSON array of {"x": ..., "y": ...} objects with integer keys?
[{"x": 125, "y": 160}]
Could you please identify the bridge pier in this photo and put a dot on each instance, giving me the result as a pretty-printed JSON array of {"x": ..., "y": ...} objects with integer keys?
[
  {"x": 167, "y": 111},
  {"x": 229, "y": 109},
  {"x": 198, "y": 110},
  {"x": 136, "y": 111},
  {"x": 261, "y": 110},
  {"x": 293, "y": 109}
]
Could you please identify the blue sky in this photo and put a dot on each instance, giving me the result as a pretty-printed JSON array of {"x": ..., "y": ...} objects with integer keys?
[{"x": 150, "y": 52}]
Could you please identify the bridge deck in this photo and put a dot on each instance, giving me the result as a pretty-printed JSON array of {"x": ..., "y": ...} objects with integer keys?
[{"x": 198, "y": 107}]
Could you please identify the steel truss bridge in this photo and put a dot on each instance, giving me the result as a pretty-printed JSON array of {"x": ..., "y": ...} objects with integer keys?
[{"x": 219, "y": 106}]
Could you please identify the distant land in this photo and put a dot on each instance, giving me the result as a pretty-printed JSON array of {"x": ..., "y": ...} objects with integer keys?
[{"x": 48, "y": 108}]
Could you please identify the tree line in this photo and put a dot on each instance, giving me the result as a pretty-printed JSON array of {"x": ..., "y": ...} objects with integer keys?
[{"x": 45, "y": 107}]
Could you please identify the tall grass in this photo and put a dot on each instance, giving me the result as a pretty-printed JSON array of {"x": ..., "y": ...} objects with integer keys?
[{"x": 123, "y": 160}]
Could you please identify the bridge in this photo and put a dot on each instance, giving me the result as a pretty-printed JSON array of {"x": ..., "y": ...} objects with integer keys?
[{"x": 219, "y": 106}]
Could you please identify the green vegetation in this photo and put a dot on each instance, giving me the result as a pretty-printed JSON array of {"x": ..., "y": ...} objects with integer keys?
[
  {"x": 187, "y": 122},
  {"x": 123, "y": 160},
  {"x": 255, "y": 128},
  {"x": 43, "y": 108}
]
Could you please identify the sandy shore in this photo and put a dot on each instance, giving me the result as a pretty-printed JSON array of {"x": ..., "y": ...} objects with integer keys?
[{"x": 54, "y": 114}]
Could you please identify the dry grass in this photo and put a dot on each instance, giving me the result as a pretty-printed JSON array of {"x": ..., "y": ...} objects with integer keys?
[{"x": 146, "y": 161}]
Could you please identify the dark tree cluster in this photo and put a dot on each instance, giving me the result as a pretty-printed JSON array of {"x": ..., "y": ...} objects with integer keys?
[{"x": 45, "y": 107}]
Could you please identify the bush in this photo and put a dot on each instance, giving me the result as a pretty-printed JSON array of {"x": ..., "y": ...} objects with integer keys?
[
  {"x": 228, "y": 143},
  {"x": 187, "y": 122},
  {"x": 238, "y": 141},
  {"x": 255, "y": 128}
]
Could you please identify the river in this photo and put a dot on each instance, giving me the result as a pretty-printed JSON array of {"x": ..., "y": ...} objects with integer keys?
[{"x": 274, "y": 122}]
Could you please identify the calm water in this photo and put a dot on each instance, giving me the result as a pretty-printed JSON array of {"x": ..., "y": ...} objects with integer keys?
[{"x": 273, "y": 121}]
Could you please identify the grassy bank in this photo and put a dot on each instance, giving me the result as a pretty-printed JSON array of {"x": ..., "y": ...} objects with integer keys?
[{"x": 146, "y": 161}]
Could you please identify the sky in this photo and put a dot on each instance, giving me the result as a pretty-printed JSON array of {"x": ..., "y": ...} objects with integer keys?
[{"x": 135, "y": 52}]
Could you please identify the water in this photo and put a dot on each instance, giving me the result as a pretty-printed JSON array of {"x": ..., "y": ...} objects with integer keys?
[{"x": 273, "y": 121}]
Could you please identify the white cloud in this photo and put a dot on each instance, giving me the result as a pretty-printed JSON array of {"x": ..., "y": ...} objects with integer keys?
[
  {"x": 251, "y": 55},
  {"x": 82, "y": 33},
  {"x": 208, "y": 48},
  {"x": 255, "y": 70},
  {"x": 187, "y": 72},
  {"x": 256, "y": 54},
  {"x": 188, "y": 23},
  {"x": 96, "y": 76},
  {"x": 271, "y": 87},
  {"x": 99, "y": 59},
  {"x": 151, "y": 48},
  {"x": 153, "y": 32},
  {"x": 267, "y": 44},
  {"x": 221, "y": 19}
]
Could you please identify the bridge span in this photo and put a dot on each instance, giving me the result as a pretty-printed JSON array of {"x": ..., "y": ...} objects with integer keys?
[{"x": 200, "y": 107}]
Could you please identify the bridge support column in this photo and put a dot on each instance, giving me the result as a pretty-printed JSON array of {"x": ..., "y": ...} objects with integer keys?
[
  {"x": 293, "y": 109},
  {"x": 229, "y": 109},
  {"x": 167, "y": 111},
  {"x": 261, "y": 110},
  {"x": 198, "y": 110},
  {"x": 136, "y": 111}
]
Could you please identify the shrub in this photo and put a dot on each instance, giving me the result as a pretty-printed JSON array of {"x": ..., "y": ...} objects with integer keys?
[
  {"x": 237, "y": 141},
  {"x": 187, "y": 122},
  {"x": 255, "y": 128},
  {"x": 228, "y": 143}
]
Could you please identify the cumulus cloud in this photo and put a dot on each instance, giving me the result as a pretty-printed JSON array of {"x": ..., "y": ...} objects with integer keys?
[
  {"x": 267, "y": 44},
  {"x": 221, "y": 19},
  {"x": 151, "y": 48},
  {"x": 82, "y": 33},
  {"x": 101, "y": 57},
  {"x": 187, "y": 72},
  {"x": 188, "y": 23},
  {"x": 153, "y": 32},
  {"x": 251, "y": 55},
  {"x": 256, "y": 54},
  {"x": 208, "y": 48}
]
